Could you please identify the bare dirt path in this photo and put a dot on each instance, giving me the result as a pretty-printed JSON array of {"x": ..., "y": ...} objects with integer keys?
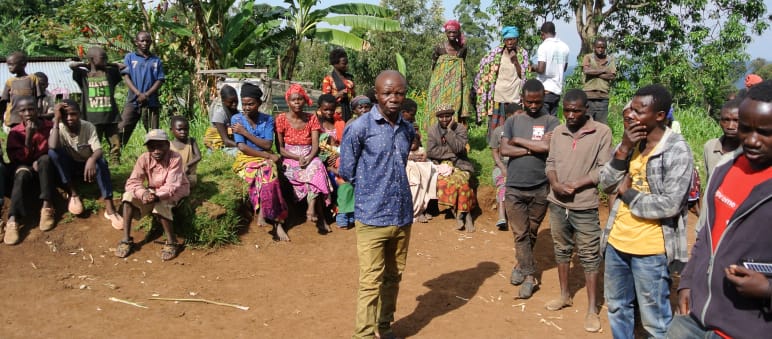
[{"x": 456, "y": 285}]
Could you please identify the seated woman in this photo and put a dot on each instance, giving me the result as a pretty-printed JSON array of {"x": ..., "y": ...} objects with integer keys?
[
  {"x": 447, "y": 148},
  {"x": 256, "y": 162},
  {"x": 298, "y": 142},
  {"x": 220, "y": 135}
]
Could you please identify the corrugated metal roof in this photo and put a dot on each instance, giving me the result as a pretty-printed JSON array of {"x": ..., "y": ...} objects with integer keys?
[{"x": 58, "y": 72}]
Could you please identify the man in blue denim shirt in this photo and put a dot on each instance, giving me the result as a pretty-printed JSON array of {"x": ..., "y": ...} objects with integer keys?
[
  {"x": 144, "y": 74},
  {"x": 373, "y": 156}
]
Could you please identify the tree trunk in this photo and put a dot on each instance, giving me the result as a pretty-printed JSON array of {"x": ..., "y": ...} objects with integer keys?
[
  {"x": 589, "y": 16},
  {"x": 290, "y": 58}
]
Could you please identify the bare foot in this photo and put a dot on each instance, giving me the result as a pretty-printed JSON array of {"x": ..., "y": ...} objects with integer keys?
[
  {"x": 323, "y": 226},
  {"x": 459, "y": 221},
  {"x": 260, "y": 220},
  {"x": 421, "y": 218},
  {"x": 280, "y": 233},
  {"x": 311, "y": 217},
  {"x": 468, "y": 222},
  {"x": 427, "y": 216}
]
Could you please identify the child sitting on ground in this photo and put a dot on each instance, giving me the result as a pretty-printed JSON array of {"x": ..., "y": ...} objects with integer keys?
[
  {"x": 166, "y": 185},
  {"x": 186, "y": 146}
]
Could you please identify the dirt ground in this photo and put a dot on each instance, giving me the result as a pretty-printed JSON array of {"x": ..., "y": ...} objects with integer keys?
[{"x": 59, "y": 284}]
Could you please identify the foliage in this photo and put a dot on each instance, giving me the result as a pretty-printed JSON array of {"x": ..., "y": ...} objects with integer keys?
[
  {"x": 762, "y": 68},
  {"x": 421, "y": 27},
  {"x": 475, "y": 24},
  {"x": 300, "y": 21}
]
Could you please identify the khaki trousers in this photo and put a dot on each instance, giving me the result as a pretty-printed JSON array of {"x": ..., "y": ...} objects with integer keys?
[{"x": 382, "y": 252}]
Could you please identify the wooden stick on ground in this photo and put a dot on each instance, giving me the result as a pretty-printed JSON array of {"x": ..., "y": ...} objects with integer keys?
[
  {"x": 243, "y": 308},
  {"x": 127, "y": 302}
]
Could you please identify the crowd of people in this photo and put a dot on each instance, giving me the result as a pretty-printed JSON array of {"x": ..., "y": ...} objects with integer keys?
[{"x": 344, "y": 159}]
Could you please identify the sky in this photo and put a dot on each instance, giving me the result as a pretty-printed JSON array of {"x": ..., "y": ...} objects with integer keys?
[{"x": 566, "y": 31}]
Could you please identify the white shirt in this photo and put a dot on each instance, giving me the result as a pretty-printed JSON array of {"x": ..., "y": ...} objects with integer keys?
[{"x": 554, "y": 54}]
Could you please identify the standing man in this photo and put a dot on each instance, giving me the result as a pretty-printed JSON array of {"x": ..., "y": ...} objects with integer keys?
[
  {"x": 578, "y": 150},
  {"x": 143, "y": 75},
  {"x": 526, "y": 141},
  {"x": 499, "y": 81},
  {"x": 373, "y": 156},
  {"x": 718, "y": 297},
  {"x": 651, "y": 170},
  {"x": 552, "y": 63},
  {"x": 714, "y": 149},
  {"x": 598, "y": 70}
]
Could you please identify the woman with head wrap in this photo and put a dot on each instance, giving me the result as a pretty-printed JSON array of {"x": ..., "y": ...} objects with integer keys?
[
  {"x": 220, "y": 135},
  {"x": 500, "y": 78},
  {"x": 256, "y": 161},
  {"x": 340, "y": 83},
  {"x": 298, "y": 142},
  {"x": 448, "y": 81},
  {"x": 446, "y": 148}
]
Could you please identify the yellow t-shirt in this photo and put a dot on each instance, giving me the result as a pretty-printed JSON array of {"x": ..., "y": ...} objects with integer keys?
[{"x": 631, "y": 234}]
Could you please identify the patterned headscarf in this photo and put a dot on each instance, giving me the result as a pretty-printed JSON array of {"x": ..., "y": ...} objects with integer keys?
[
  {"x": 297, "y": 89},
  {"x": 509, "y": 32},
  {"x": 454, "y": 25}
]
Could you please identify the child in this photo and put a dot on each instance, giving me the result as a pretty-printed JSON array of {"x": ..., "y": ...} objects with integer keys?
[
  {"x": 329, "y": 151},
  {"x": 186, "y": 146},
  {"x": 144, "y": 74},
  {"x": 28, "y": 152},
  {"x": 166, "y": 185},
  {"x": 500, "y": 171},
  {"x": 97, "y": 80},
  {"x": 22, "y": 84},
  {"x": 49, "y": 99},
  {"x": 74, "y": 149},
  {"x": 421, "y": 173}
]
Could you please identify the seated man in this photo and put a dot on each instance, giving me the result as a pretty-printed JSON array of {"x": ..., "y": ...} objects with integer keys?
[
  {"x": 74, "y": 147},
  {"x": 166, "y": 185},
  {"x": 28, "y": 152}
]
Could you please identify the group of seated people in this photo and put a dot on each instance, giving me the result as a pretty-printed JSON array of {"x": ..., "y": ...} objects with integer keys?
[
  {"x": 46, "y": 153},
  {"x": 306, "y": 153}
]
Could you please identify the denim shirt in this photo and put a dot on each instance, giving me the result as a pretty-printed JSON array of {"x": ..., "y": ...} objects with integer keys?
[
  {"x": 144, "y": 72},
  {"x": 373, "y": 156}
]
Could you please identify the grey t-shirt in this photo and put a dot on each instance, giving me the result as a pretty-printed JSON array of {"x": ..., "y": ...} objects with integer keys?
[
  {"x": 498, "y": 132},
  {"x": 528, "y": 170},
  {"x": 218, "y": 113}
]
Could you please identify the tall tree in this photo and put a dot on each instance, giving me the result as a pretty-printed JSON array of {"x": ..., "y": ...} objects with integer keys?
[
  {"x": 478, "y": 31},
  {"x": 300, "y": 20}
]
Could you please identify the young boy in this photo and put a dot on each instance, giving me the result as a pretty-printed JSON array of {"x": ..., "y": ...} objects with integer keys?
[
  {"x": 75, "y": 148},
  {"x": 49, "y": 99},
  {"x": 144, "y": 74},
  {"x": 186, "y": 146},
  {"x": 28, "y": 152},
  {"x": 715, "y": 149},
  {"x": 97, "y": 80},
  {"x": 166, "y": 185},
  {"x": 22, "y": 84}
]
